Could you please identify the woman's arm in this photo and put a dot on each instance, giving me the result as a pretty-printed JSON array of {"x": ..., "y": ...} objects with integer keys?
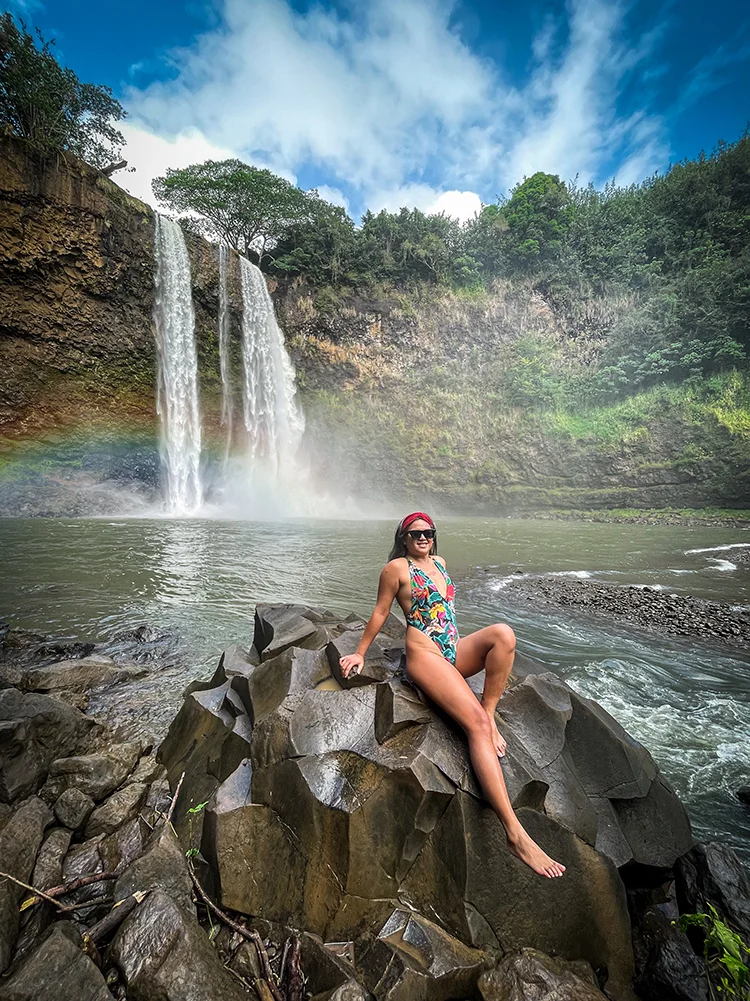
[{"x": 387, "y": 590}]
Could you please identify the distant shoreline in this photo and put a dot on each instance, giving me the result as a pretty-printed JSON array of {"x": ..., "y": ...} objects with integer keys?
[{"x": 636, "y": 516}]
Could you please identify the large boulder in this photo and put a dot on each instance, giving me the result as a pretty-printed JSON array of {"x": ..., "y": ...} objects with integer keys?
[
  {"x": 34, "y": 730},
  {"x": 334, "y": 805},
  {"x": 97, "y": 775},
  {"x": 164, "y": 953},
  {"x": 121, "y": 806},
  {"x": 47, "y": 873},
  {"x": 20, "y": 841},
  {"x": 712, "y": 874},
  {"x": 79, "y": 675},
  {"x": 57, "y": 970}
]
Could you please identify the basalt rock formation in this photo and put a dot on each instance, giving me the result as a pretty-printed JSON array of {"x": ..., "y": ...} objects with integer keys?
[
  {"x": 348, "y": 808},
  {"x": 335, "y": 828}
]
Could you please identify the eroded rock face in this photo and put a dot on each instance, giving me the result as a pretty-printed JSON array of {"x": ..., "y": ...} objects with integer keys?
[
  {"x": 57, "y": 970},
  {"x": 353, "y": 813},
  {"x": 529, "y": 975},
  {"x": 34, "y": 729},
  {"x": 164, "y": 953}
]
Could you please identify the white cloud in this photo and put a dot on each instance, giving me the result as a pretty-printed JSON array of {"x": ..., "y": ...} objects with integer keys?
[
  {"x": 151, "y": 155},
  {"x": 385, "y": 99},
  {"x": 461, "y": 205},
  {"x": 333, "y": 195}
]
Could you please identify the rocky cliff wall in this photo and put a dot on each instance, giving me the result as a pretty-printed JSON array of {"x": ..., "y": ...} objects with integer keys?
[{"x": 397, "y": 404}]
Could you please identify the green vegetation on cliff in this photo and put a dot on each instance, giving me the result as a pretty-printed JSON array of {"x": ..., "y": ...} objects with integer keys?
[{"x": 47, "y": 107}]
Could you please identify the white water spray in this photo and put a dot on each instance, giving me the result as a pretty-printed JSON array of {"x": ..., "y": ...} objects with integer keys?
[
  {"x": 273, "y": 422},
  {"x": 177, "y": 378},
  {"x": 224, "y": 330}
]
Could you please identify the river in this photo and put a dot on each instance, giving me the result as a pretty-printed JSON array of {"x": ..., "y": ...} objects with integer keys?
[{"x": 688, "y": 701}]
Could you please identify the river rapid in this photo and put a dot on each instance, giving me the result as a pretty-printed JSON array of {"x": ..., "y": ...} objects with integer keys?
[{"x": 687, "y": 700}]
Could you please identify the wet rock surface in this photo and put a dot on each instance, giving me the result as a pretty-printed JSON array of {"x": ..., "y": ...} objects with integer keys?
[
  {"x": 345, "y": 826},
  {"x": 672, "y": 614},
  {"x": 529, "y": 975}
]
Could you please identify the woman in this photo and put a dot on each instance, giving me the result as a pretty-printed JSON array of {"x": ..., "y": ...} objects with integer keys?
[{"x": 439, "y": 663}]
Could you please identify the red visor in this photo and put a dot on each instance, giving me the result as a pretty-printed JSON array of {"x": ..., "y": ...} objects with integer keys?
[{"x": 416, "y": 516}]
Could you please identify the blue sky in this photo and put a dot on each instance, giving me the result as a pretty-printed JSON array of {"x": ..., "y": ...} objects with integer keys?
[{"x": 418, "y": 102}]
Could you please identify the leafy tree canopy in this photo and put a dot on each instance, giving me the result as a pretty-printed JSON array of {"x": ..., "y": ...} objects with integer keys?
[
  {"x": 248, "y": 208},
  {"x": 48, "y": 107}
]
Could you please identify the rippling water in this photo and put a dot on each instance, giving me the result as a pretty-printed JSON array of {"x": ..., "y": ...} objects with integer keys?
[{"x": 687, "y": 701}]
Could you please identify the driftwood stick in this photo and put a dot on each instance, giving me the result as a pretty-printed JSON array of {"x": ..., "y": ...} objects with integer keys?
[
  {"x": 38, "y": 893},
  {"x": 173, "y": 804},
  {"x": 294, "y": 982},
  {"x": 115, "y": 917},
  {"x": 251, "y": 936},
  {"x": 60, "y": 891},
  {"x": 94, "y": 902},
  {"x": 263, "y": 990}
]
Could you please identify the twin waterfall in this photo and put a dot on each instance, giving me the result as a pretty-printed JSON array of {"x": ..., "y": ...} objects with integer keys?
[{"x": 259, "y": 475}]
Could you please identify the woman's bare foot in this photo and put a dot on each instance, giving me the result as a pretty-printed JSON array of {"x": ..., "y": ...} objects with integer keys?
[
  {"x": 528, "y": 851},
  {"x": 497, "y": 738}
]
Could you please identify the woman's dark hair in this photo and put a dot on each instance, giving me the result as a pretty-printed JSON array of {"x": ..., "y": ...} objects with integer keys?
[{"x": 399, "y": 545}]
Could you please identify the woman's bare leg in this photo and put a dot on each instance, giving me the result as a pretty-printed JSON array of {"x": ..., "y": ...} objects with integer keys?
[
  {"x": 492, "y": 648},
  {"x": 444, "y": 685}
]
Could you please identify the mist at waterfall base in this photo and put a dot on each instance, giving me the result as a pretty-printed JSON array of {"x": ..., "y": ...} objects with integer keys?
[{"x": 261, "y": 473}]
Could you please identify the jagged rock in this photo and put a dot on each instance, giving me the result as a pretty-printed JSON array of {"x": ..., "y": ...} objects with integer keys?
[
  {"x": 163, "y": 953},
  {"x": 278, "y": 627},
  {"x": 73, "y": 808},
  {"x": 413, "y": 959},
  {"x": 47, "y": 873},
  {"x": 57, "y": 971},
  {"x": 97, "y": 775},
  {"x": 80, "y": 675},
  {"x": 163, "y": 866},
  {"x": 712, "y": 874},
  {"x": 324, "y": 971},
  {"x": 34, "y": 729},
  {"x": 377, "y": 666},
  {"x": 20, "y": 841},
  {"x": 364, "y": 799},
  {"x": 397, "y": 705},
  {"x": 207, "y": 740},
  {"x": 667, "y": 969},
  {"x": 743, "y": 795},
  {"x": 121, "y": 806},
  {"x": 239, "y": 838},
  {"x": 530, "y": 975},
  {"x": 147, "y": 770}
]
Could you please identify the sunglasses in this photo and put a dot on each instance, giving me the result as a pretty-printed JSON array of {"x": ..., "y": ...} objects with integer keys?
[{"x": 428, "y": 533}]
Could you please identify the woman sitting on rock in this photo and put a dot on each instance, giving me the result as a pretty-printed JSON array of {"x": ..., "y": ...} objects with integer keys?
[{"x": 439, "y": 663}]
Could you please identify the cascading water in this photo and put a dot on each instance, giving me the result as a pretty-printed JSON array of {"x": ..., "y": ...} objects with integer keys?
[
  {"x": 177, "y": 378},
  {"x": 273, "y": 422},
  {"x": 224, "y": 329}
]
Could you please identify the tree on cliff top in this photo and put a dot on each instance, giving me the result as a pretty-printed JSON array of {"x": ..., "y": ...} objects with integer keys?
[
  {"x": 245, "y": 207},
  {"x": 48, "y": 107}
]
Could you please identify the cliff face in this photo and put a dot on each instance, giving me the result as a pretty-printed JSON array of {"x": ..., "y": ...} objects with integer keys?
[{"x": 398, "y": 402}]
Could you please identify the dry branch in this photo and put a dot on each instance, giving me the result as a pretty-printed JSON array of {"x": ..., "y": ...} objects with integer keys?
[
  {"x": 173, "y": 804},
  {"x": 60, "y": 891},
  {"x": 115, "y": 917},
  {"x": 251, "y": 936}
]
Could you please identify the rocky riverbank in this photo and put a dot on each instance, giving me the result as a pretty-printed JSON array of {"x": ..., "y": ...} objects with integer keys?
[
  {"x": 301, "y": 835},
  {"x": 647, "y": 607}
]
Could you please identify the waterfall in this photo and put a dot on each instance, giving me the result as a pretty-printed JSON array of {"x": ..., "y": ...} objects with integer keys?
[
  {"x": 224, "y": 329},
  {"x": 273, "y": 422},
  {"x": 177, "y": 378}
]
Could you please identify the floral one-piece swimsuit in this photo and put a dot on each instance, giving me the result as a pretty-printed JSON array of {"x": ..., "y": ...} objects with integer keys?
[{"x": 431, "y": 613}]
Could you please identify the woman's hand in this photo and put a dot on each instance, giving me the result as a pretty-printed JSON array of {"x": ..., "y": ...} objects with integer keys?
[{"x": 353, "y": 662}]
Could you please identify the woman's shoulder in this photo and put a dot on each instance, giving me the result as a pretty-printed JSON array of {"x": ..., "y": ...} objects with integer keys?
[
  {"x": 400, "y": 563},
  {"x": 439, "y": 560}
]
